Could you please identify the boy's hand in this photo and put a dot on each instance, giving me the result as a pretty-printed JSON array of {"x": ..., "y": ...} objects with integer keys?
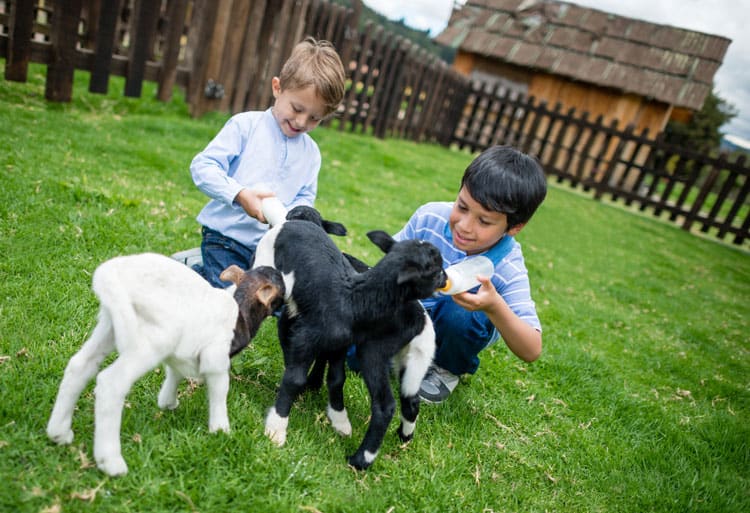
[
  {"x": 250, "y": 202},
  {"x": 485, "y": 297}
]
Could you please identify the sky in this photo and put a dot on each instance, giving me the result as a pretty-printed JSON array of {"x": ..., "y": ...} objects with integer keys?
[{"x": 728, "y": 18}]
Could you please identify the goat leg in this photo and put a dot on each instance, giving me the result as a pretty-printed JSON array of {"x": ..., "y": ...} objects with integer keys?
[
  {"x": 382, "y": 409},
  {"x": 409, "y": 413},
  {"x": 167, "y": 399},
  {"x": 112, "y": 386},
  {"x": 81, "y": 368},
  {"x": 335, "y": 381},
  {"x": 292, "y": 384},
  {"x": 315, "y": 377}
]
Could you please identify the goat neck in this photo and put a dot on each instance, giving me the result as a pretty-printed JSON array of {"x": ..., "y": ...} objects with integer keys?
[{"x": 376, "y": 290}]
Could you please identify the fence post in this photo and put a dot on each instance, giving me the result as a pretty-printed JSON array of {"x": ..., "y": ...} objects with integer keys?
[
  {"x": 603, "y": 184},
  {"x": 740, "y": 234},
  {"x": 60, "y": 71},
  {"x": 703, "y": 193},
  {"x": 622, "y": 183},
  {"x": 431, "y": 111},
  {"x": 530, "y": 134},
  {"x": 394, "y": 91},
  {"x": 105, "y": 42},
  {"x": 559, "y": 143},
  {"x": 552, "y": 115},
  {"x": 350, "y": 33},
  {"x": 175, "y": 25},
  {"x": 370, "y": 83},
  {"x": 19, "y": 41},
  {"x": 230, "y": 57},
  {"x": 248, "y": 64},
  {"x": 575, "y": 139},
  {"x": 739, "y": 200},
  {"x": 143, "y": 26},
  {"x": 648, "y": 163},
  {"x": 454, "y": 95},
  {"x": 585, "y": 151},
  {"x": 207, "y": 58}
]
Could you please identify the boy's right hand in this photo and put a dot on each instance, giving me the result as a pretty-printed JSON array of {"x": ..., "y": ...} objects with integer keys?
[{"x": 250, "y": 202}]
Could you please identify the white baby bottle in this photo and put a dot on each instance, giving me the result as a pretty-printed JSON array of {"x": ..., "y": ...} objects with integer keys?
[
  {"x": 273, "y": 210},
  {"x": 463, "y": 275}
]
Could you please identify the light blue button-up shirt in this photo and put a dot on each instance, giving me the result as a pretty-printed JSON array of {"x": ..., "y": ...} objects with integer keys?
[{"x": 252, "y": 152}]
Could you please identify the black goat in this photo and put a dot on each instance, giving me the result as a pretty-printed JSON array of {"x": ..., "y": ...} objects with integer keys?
[{"x": 329, "y": 306}]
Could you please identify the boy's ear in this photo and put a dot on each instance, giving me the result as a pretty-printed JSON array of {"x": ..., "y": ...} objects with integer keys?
[
  {"x": 517, "y": 228},
  {"x": 276, "y": 86}
]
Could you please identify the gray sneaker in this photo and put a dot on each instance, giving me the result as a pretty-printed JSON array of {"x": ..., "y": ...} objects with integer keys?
[
  {"x": 437, "y": 385},
  {"x": 189, "y": 257}
]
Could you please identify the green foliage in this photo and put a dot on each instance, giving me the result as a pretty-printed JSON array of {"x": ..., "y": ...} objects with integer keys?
[
  {"x": 702, "y": 132},
  {"x": 640, "y": 401}
]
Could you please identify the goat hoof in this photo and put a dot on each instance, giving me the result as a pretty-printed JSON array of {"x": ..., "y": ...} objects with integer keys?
[
  {"x": 358, "y": 462},
  {"x": 168, "y": 405},
  {"x": 277, "y": 437},
  {"x": 405, "y": 438},
  {"x": 339, "y": 421},
  {"x": 62, "y": 438},
  {"x": 112, "y": 465},
  {"x": 276, "y": 427},
  {"x": 219, "y": 426}
]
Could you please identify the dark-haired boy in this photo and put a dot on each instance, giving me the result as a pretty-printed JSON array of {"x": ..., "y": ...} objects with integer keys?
[{"x": 500, "y": 191}]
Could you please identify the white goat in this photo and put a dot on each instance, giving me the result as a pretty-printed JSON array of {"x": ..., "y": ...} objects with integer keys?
[{"x": 155, "y": 310}]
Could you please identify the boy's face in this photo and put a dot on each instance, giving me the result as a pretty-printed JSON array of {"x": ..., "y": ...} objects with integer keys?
[
  {"x": 474, "y": 228},
  {"x": 297, "y": 110}
]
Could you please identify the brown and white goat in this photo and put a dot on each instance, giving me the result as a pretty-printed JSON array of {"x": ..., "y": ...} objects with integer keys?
[{"x": 155, "y": 310}]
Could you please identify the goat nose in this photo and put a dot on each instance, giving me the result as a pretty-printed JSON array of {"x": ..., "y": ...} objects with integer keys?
[{"x": 443, "y": 279}]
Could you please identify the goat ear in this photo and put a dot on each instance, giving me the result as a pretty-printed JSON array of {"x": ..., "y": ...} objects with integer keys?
[
  {"x": 358, "y": 264},
  {"x": 334, "y": 228},
  {"x": 266, "y": 294},
  {"x": 408, "y": 274},
  {"x": 232, "y": 273},
  {"x": 381, "y": 239}
]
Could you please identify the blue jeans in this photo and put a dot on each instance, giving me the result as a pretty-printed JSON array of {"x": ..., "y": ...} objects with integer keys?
[
  {"x": 460, "y": 335},
  {"x": 219, "y": 252}
]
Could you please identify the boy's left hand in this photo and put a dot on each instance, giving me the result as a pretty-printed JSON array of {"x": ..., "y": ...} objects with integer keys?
[
  {"x": 250, "y": 201},
  {"x": 485, "y": 296}
]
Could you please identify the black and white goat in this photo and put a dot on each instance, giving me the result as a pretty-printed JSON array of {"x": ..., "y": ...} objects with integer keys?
[
  {"x": 155, "y": 310},
  {"x": 329, "y": 306}
]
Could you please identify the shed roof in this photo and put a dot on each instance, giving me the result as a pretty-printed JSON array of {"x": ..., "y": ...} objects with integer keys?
[{"x": 666, "y": 63}]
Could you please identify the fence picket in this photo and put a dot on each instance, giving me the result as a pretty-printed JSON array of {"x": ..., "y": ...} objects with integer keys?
[
  {"x": 146, "y": 15},
  {"x": 19, "y": 42},
  {"x": 63, "y": 39}
]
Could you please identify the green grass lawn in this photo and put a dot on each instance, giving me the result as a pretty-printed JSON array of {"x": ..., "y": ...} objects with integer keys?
[{"x": 639, "y": 402}]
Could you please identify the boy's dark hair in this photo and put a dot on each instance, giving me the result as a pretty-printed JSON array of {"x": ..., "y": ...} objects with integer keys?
[{"x": 505, "y": 180}]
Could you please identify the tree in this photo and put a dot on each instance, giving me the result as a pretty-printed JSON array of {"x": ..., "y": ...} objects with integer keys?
[{"x": 702, "y": 132}]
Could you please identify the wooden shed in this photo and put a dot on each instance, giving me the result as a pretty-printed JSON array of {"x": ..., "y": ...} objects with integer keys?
[{"x": 597, "y": 62}]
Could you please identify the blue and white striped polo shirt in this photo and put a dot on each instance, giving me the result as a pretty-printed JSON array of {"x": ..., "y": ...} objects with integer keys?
[{"x": 430, "y": 223}]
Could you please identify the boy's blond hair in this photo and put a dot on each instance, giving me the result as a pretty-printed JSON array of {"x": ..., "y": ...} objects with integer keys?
[{"x": 315, "y": 63}]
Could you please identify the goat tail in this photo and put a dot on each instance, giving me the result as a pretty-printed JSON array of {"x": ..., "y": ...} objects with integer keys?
[
  {"x": 416, "y": 358},
  {"x": 110, "y": 288}
]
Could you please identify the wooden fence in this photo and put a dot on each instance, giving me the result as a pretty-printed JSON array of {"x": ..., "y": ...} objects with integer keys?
[
  {"x": 686, "y": 187},
  {"x": 222, "y": 53}
]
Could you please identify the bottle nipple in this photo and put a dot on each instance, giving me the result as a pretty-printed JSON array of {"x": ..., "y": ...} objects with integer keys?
[{"x": 463, "y": 275}]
